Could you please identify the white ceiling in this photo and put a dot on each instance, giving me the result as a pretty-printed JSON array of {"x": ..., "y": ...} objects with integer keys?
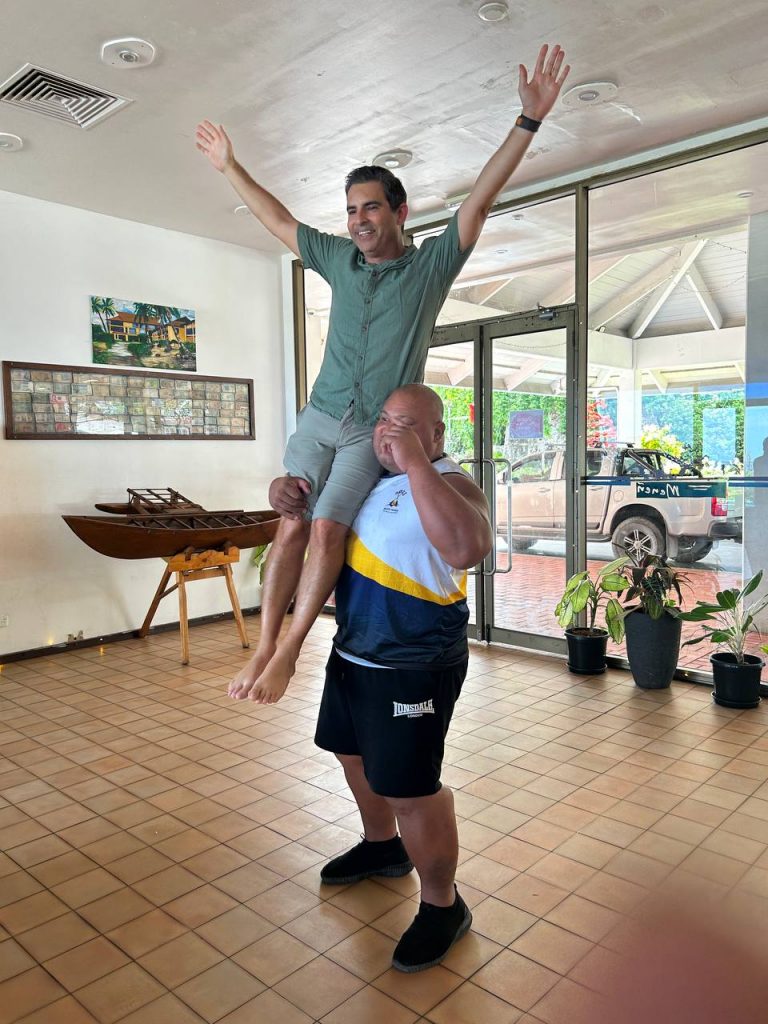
[{"x": 309, "y": 90}]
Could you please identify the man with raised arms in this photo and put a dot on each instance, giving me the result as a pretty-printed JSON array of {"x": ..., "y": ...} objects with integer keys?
[{"x": 386, "y": 299}]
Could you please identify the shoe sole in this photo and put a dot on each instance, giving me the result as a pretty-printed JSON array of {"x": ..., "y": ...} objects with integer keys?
[
  {"x": 392, "y": 871},
  {"x": 464, "y": 927}
]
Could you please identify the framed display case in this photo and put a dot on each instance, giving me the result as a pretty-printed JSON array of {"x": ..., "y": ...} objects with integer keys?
[{"x": 44, "y": 401}]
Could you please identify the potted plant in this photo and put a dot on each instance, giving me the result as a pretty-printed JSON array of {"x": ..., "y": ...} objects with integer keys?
[
  {"x": 652, "y": 624},
  {"x": 736, "y": 674},
  {"x": 587, "y": 644}
]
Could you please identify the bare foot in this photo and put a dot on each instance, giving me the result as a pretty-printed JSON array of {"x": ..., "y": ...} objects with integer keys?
[
  {"x": 273, "y": 681},
  {"x": 247, "y": 677}
]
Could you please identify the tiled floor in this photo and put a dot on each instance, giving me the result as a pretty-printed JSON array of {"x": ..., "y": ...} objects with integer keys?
[{"x": 162, "y": 843}]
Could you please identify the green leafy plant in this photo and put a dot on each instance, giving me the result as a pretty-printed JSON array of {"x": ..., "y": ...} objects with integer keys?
[
  {"x": 259, "y": 559},
  {"x": 733, "y": 618},
  {"x": 582, "y": 593},
  {"x": 654, "y": 585}
]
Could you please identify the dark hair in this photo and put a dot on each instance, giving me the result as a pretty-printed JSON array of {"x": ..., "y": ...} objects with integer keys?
[{"x": 393, "y": 187}]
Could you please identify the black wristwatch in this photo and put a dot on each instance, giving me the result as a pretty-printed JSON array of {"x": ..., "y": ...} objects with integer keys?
[{"x": 528, "y": 123}]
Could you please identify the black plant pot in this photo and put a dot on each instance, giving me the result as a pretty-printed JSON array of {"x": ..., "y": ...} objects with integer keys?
[
  {"x": 736, "y": 686},
  {"x": 653, "y": 648},
  {"x": 586, "y": 650}
]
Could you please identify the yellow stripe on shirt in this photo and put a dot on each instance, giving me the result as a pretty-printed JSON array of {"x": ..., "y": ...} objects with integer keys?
[{"x": 364, "y": 562}]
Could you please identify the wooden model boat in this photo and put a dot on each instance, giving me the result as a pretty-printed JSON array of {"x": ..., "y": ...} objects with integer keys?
[{"x": 160, "y": 523}]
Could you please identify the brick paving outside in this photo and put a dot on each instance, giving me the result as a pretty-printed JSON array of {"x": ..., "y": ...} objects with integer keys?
[{"x": 526, "y": 597}]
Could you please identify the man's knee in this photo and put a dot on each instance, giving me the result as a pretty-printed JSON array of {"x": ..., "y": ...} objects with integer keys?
[
  {"x": 415, "y": 806},
  {"x": 293, "y": 532},
  {"x": 327, "y": 533}
]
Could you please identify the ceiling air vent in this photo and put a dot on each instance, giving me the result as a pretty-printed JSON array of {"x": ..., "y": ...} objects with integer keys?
[{"x": 62, "y": 99}]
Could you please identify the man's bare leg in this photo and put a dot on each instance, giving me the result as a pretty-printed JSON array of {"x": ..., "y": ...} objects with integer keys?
[
  {"x": 281, "y": 578},
  {"x": 428, "y": 827},
  {"x": 378, "y": 818},
  {"x": 327, "y": 542}
]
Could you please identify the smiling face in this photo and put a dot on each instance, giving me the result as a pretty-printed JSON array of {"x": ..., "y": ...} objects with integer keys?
[{"x": 374, "y": 227}]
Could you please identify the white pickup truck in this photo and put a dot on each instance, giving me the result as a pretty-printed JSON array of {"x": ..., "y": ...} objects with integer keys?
[{"x": 643, "y": 501}]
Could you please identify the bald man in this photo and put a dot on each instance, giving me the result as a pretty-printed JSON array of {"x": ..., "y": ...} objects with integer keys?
[{"x": 398, "y": 663}]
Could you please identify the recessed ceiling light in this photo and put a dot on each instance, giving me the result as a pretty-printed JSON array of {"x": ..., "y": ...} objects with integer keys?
[
  {"x": 588, "y": 94},
  {"x": 494, "y": 10},
  {"x": 393, "y": 158},
  {"x": 744, "y": 195},
  {"x": 10, "y": 143},
  {"x": 128, "y": 53},
  {"x": 241, "y": 211}
]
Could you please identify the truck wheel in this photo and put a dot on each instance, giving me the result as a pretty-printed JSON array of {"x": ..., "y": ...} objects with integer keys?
[
  {"x": 522, "y": 543},
  {"x": 638, "y": 537},
  {"x": 692, "y": 549}
]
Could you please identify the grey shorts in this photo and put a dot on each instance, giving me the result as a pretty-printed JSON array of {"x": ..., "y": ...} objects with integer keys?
[{"x": 336, "y": 457}]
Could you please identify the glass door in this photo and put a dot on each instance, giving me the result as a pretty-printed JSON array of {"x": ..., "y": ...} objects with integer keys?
[
  {"x": 453, "y": 370},
  {"x": 505, "y": 387}
]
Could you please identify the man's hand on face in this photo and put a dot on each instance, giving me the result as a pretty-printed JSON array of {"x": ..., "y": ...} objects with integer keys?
[
  {"x": 287, "y": 495},
  {"x": 403, "y": 446}
]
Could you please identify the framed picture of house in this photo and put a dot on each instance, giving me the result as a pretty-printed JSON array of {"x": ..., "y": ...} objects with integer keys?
[
  {"x": 128, "y": 333},
  {"x": 45, "y": 401}
]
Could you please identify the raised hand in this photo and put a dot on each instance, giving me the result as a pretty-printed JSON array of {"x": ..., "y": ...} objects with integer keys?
[
  {"x": 214, "y": 142},
  {"x": 539, "y": 92}
]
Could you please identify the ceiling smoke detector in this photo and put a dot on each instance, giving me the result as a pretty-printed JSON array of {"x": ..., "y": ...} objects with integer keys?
[
  {"x": 127, "y": 53},
  {"x": 10, "y": 143},
  {"x": 241, "y": 211},
  {"x": 589, "y": 94},
  {"x": 494, "y": 10},
  {"x": 393, "y": 158}
]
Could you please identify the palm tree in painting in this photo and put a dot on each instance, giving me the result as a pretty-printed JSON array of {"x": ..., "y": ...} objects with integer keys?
[
  {"x": 143, "y": 314},
  {"x": 166, "y": 315},
  {"x": 107, "y": 309},
  {"x": 96, "y": 308}
]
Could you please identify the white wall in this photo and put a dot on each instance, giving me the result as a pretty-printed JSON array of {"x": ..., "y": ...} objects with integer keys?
[{"x": 52, "y": 258}]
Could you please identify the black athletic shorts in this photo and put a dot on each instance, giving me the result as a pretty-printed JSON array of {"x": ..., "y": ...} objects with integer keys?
[{"x": 395, "y": 719}]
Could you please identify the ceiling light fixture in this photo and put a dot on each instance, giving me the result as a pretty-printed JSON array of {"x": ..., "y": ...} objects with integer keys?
[
  {"x": 589, "y": 94},
  {"x": 393, "y": 158},
  {"x": 494, "y": 10},
  {"x": 744, "y": 195},
  {"x": 128, "y": 53},
  {"x": 10, "y": 143}
]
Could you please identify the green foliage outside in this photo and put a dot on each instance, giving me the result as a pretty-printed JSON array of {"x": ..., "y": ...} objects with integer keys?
[
  {"x": 683, "y": 416},
  {"x": 672, "y": 423},
  {"x": 460, "y": 431},
  {"x": 661, "y": 439}
]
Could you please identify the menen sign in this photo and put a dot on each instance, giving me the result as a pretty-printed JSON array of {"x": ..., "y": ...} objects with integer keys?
[{"x": 683, "y": 489}]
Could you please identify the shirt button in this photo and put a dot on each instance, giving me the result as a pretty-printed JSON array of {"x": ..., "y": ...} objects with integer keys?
[{"x": 365, "y": 327}]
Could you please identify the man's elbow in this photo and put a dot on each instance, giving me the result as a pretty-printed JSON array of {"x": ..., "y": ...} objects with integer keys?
[{"x": 470, "y": 551}]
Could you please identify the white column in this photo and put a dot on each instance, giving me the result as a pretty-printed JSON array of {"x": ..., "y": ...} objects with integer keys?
[{"x": 629, "y": 406}]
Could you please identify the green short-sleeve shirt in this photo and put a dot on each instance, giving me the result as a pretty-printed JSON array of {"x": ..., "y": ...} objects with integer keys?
[{"x": 382, "y": 316}]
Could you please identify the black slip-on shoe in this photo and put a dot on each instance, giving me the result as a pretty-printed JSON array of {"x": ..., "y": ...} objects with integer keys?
[
  {"x": 431, "y": 934},
  {"x": 387, "y": 858}
]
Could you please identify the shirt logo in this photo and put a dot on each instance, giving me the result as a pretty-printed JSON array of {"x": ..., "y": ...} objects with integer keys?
[
  {"x": 392, "y": 506},
  {"x": 425, "y": 707}
]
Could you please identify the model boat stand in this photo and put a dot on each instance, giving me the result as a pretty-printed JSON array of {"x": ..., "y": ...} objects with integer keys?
[{"x": 196, "y": 565}]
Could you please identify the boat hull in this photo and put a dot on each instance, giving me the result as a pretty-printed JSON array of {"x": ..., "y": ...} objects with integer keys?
[{"x": 132, "y": 538}]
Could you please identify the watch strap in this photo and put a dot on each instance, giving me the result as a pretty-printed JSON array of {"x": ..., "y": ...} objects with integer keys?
[{"x": 528, "y": 123}]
